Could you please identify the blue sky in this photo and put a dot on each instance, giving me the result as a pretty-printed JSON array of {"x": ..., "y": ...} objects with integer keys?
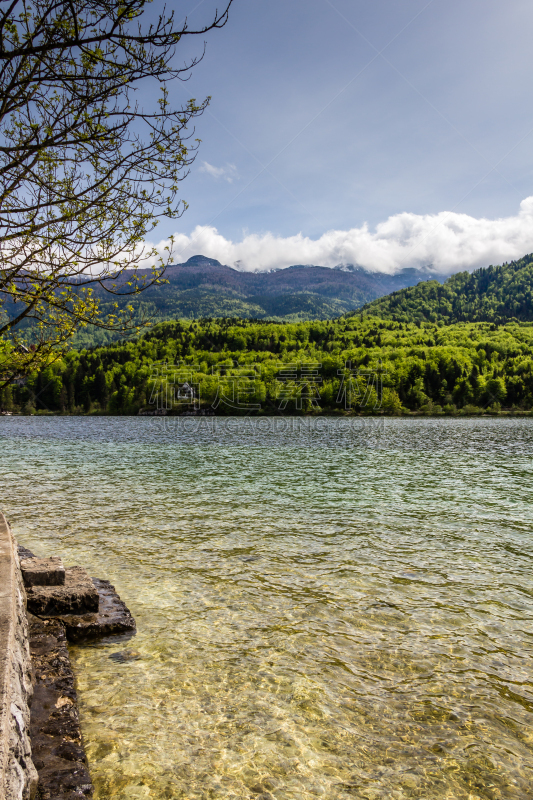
[{"x": 327, "y": 115}]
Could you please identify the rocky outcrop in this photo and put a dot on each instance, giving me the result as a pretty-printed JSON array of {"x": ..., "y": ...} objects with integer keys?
[
  {"x": 18, "y": 776},
  {"x": 56, "y": 739}
]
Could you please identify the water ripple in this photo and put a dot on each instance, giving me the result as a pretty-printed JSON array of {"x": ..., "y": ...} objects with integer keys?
[{"x": 323, "y": 612}]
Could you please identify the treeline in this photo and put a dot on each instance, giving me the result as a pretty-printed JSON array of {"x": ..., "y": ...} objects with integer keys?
[
  {"x": 307, "y": 367},
  {"x": 200, "y": 303},
  {"x": 493, "y": 294}
]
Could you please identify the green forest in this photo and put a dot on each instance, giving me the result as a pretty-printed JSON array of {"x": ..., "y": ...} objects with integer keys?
[
  {"x": 491, "y": 294},
  {"x": 353, "y": 365},
  {"x": 198, "y": 303}
]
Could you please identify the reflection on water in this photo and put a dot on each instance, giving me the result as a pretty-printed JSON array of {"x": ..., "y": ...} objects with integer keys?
[{"x": 334, "y": 613}]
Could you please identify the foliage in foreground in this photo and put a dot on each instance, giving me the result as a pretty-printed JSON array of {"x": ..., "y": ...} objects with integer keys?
[
  {"x": 85, "y": 171},
  {"x": 427, "y": 367}
]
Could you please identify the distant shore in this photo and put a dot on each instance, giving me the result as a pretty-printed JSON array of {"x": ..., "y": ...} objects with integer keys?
[{"x": 459, "y": 413}]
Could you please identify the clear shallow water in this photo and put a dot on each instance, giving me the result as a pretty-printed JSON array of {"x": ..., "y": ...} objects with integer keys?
[{"x": 333, "y": 613}]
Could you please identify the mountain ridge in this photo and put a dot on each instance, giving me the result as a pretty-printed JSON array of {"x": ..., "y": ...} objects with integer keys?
[
  {"x": 202, "y": 287},
  {"x": 348, "y": 282}
]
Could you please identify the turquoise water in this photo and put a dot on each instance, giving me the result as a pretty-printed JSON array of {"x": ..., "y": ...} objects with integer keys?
[{"x": 326, "y": 612}]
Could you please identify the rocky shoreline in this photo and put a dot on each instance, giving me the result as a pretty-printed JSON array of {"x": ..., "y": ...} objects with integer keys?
[
  {"x": 55, "y": 734},
  {"x": 43, "y": 606},
  {"x": 64, "y": 605}
]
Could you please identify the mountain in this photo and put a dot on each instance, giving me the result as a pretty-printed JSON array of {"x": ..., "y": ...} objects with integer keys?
[
  {"x": 491, "y": 294},
  {"x": 344, "y": 286},
  {"x": 203, "y": 287}
]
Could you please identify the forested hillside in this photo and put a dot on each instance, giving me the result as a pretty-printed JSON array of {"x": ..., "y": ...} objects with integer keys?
[
  {"x": 494, "y": 294},
  {"x": 305, "y": 367}
]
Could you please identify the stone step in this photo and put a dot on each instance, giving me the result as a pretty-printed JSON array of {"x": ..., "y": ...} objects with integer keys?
[
  {"x": 42, "y": 571},
  {"x": 112, "y": 618},
  {"x": 78, "y": 595},
  {"x": 89, "y": 608}
]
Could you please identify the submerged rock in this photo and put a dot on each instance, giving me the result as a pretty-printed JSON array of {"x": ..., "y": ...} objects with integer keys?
[{"x": 124, "y": 656}]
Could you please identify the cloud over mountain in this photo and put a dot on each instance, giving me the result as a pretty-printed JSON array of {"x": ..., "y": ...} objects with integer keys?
[{"x": 448, "y": 241}]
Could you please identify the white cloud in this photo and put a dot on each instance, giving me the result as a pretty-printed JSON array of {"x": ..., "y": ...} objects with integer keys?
[
  {"x": 448, "y": 241},
  {"x": 229, "y": 172}
]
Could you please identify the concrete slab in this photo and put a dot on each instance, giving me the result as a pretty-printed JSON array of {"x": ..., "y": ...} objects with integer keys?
[{"x": 18, "y": 777}]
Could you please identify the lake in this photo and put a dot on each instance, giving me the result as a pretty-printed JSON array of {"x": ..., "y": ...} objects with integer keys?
[{"x": 325, "y": 609}]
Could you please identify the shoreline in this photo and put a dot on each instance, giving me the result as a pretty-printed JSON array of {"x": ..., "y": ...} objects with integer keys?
[
  {"x": 459, "y": 414},
  {"x": 43, "y": 607}
]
